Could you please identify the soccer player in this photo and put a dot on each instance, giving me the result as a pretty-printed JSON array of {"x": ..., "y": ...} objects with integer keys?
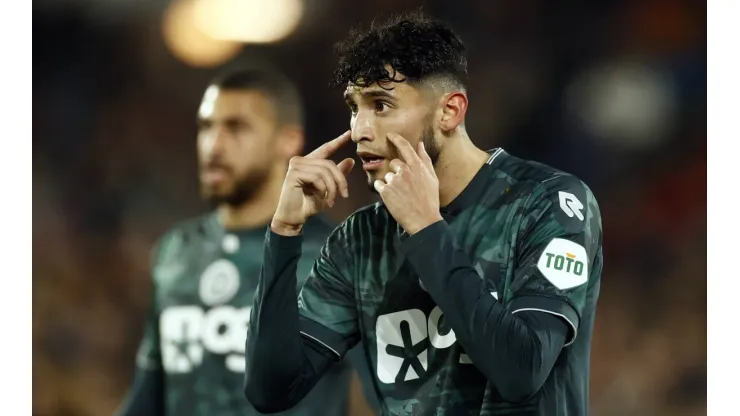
[
  {"x": 191, "y": 360},
  {"x": 472, "y": 286}
]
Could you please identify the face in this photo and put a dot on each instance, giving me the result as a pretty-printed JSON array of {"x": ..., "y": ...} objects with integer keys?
[
  {"x": 377, "y": 111},
  {"x": 236, "y": 144}
]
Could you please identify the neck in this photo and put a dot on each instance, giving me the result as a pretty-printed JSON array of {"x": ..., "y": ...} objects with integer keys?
[
  {"x": 258, "y": 210},
  {"x": 458, "y": 163}
]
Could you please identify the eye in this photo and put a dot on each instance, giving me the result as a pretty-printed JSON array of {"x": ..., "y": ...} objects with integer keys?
[
  {"x": 203, "y": 125},
  {"x": 352, "y": 108},
  {"x": 380, "y": 106},
  {"x": 235, "y": 126}
]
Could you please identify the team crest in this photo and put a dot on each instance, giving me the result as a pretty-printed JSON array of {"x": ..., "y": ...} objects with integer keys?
[{"x": 219, "y": 282}]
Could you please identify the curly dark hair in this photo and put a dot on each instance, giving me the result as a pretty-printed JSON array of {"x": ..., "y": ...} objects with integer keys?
[{"x": 412, "y": 44}]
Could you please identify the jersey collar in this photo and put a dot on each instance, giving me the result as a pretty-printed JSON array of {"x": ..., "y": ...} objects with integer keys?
[
  {"x": 472, "y": 192},
  {"x": 218, "y": 230}
]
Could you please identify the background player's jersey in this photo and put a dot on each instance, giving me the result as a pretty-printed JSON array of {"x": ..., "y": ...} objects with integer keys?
[
  {"x": 204, "y": 283},
  {"x": 532, "y": 233}
]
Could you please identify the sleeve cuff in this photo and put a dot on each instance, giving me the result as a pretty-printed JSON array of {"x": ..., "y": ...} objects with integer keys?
[
  {"x": 324, "y": 336},
  {"x": 281, "y": 242},
  {"x": 552, "y": 306}
]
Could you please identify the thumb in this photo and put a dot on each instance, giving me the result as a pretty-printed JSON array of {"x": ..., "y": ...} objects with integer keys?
[{"x": 346, "y": 165}]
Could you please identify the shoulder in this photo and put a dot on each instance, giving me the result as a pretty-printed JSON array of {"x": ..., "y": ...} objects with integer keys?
[
  {"x": 544, "y": 181},
  {"x": 570, "y": 201},
  {"x": 520, "y": 170},
  {"x": 188, "y": 230},
  {"x": 320, "y": 227},
  {"x": 568, "y": 198},
  {"x": 367, "y": 221},
  {"x": 370, "y": 217},
  {"x": 169, "y": 248}
]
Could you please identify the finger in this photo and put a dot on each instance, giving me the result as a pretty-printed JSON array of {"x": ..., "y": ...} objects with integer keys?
[
  {"x": 397, "y": 166},
  {"x": 379, "y": 186},
  {"x": 405, "y": 150},
  {"x": 331, "y": 185},
  {"x": 424, "y": 156},
  {"x": 345, "y": 167},
  {"x": 389, "y": 177},
  {"x": 337, "y": 175},
  {"x": 327, "y": 149},
  {"x": 313, "y": 184},
  {"x": 321, "y": 178}
]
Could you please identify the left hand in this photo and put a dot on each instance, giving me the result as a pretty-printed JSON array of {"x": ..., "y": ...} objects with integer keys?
[{"x": 411, "y": 190}]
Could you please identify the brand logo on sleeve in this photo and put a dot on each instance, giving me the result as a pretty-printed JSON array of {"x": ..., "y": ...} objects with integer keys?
[
  {"x": 564, "y": 263},
  {"x": 570, "y": 205}
]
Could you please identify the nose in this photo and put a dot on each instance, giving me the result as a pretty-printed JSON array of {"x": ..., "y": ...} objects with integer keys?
[
  {"x": 362, "y": 128},
  {"x": 219, "y": 140},
  {"x": 213, "y": 142}
]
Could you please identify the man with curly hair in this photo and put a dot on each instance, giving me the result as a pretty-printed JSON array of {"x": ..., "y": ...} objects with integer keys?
[{"x": 472, "y": 285}]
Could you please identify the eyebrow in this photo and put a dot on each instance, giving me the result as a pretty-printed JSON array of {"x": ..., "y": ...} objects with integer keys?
[
  {"x": 369, "y": 94},
  {"x": 233, "y": 119}
]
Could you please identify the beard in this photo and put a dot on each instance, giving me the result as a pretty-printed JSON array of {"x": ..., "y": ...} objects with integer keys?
[
  {"x": 242, "y": 189},
  {"x": 430, "y": 145}
]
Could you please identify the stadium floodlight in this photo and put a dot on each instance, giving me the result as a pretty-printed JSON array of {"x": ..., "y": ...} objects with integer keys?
[
  {"x": 248, "y": 21},
  {"x": 188, "y": 43}
]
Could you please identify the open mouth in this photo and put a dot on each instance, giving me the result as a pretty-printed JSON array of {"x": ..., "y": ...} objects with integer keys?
[{"x": 370, "y": 161}]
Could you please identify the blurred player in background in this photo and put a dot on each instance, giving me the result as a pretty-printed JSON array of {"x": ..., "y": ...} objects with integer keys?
[
  {"x": 472, "y": 286},
  {"x": 205, "y": 271}
]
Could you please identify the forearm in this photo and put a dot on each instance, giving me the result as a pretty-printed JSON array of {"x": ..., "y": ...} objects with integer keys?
[
  {"x": 515, "y": 351},
  {"x": 145, "y": 398},
  {"x": 276, "y": 382}
]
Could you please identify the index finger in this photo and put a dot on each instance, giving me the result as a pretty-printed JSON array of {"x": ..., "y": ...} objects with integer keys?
[
  {"x": 327, "y": 149},
  {"x": 405, "y": 150}
]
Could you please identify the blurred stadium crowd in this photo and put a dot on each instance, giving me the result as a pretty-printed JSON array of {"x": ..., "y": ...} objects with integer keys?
[{"x": 612, "y": 91}]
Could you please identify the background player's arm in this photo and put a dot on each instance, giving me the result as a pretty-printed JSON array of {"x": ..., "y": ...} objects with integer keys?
[
  {"x": 515, "y": 345},
  {"x": 287, "y": 354},
  {"x": 146, "y": 395}
]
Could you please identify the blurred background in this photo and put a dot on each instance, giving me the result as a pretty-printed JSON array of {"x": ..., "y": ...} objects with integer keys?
[{"x": 612, "y": 91}]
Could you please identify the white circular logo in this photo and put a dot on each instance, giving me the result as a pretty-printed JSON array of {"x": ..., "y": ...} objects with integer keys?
[{"x": 219, "y": 282}]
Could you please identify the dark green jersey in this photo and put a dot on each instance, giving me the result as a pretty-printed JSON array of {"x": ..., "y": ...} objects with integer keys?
[
  {"x": 532, "y": 234},
  {"x": 204, "y": 283}
]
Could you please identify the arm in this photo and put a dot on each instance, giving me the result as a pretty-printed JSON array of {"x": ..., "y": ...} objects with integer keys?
[
  {"x": 145, "y": 397},
  {"x": 275, "y": 382},
  {"x": 307, "y": 345},
  {"x": 514, "y": 344}
]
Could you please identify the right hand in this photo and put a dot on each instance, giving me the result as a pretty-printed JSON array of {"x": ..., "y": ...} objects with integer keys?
[{"x": 311, "y": 184}]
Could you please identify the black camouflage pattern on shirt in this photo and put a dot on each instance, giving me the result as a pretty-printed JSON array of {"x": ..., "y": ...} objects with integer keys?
[{"x": 362, "y": 289}]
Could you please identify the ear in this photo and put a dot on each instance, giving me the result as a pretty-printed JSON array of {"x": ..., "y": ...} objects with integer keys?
[
  {"x": 290, "y": 141},
  {"x": 454, "y": 107}
]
